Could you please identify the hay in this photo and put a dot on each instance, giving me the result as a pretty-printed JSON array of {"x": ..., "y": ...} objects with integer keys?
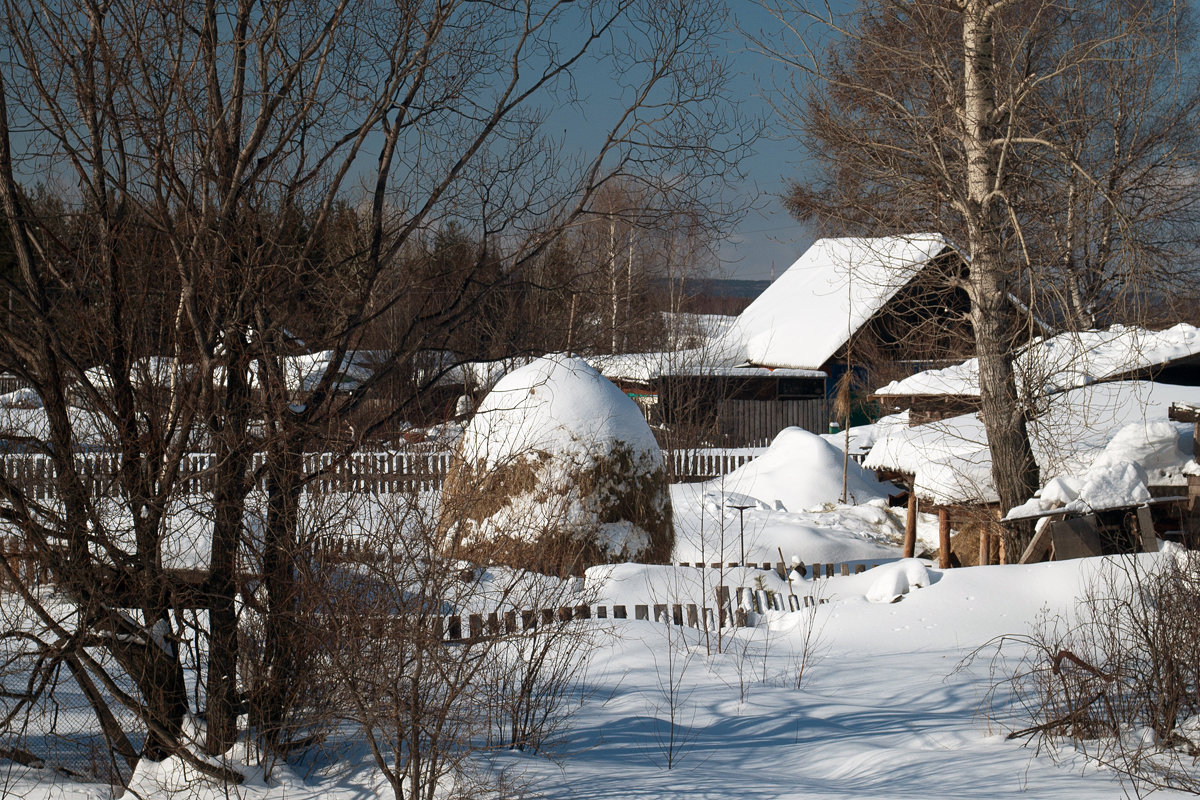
[
  {"x": 965, "y": 543},
  {"x": 559, "y": 512}
]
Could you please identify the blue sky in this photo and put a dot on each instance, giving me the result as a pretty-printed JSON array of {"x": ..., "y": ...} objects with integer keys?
[{"x": 767, "y": 240}]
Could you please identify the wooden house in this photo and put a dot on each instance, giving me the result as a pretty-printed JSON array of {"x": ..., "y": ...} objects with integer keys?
[{"x": 874, "y": 306}]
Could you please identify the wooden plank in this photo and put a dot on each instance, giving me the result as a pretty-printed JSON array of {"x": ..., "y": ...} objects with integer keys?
[
  {"x": 910, "y": 526},
  {"x": 1146, "y": 529},
  {"x": 1078, "y": 537},
  {"x": 943, "y": 537}
]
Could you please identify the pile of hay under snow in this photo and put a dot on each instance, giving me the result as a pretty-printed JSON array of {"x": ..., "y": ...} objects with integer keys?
[{"x": 557, "y": 470}]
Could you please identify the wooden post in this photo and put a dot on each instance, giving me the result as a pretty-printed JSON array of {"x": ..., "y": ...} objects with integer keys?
[
  {"x": 476, "y": 624},
  {"x": 985, "y": 545},
  {"x": 619, "y": 612},
  {"x": 860, "y": 568},
  {"x": 910, "y": 525},
  {"x": 762, "y": 601},
  {"x": 660, "y": 613},
  {"x": 943, "y": 537},
  {"x": 845, "y": 570},
  {"x": 722, "y": 604},
  {"x": 693, "y": 617},
  {"x": 829, "y": 570},
  {"x": 641, "y": 612}
]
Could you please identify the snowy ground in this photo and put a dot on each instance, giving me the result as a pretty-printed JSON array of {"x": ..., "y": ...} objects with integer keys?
[{"x": 881, "y": 711}]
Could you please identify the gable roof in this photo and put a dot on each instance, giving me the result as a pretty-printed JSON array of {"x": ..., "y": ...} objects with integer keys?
[{"x": 813, "y": 308}]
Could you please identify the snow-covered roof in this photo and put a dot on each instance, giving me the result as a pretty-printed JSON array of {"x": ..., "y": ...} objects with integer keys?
[
  {"x": 1065, "y": 361},
  {"x": 831, "y": 291},
  {"x": 950, "y": 461},
  {"x": 303, "y": 373}
]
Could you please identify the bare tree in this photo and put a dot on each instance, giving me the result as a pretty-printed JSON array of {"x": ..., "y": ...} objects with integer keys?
[
  {"x": 233, "y": 186},
  {"x": 965, "y": 117}
]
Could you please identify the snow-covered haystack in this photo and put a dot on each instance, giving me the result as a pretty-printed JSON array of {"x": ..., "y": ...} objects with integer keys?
[
  {"x": 801, "y": 470},
  {"x": 557, "y": 469}
]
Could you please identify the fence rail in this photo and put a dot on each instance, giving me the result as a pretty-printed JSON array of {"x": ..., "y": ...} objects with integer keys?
[{"x": 385, "y": 472}]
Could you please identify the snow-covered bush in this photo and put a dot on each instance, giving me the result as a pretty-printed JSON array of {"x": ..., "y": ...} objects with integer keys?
[{"x": 557, "y": 469}]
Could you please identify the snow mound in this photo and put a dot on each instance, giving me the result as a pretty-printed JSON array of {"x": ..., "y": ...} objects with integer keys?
[
  {"x": 556, "y": 404},
  {"x": 893, "y": 581},
  {"x": 1120, "y": 475},
  {"x": 557, "y": 467},
  {"x": 802, "y": 470}
]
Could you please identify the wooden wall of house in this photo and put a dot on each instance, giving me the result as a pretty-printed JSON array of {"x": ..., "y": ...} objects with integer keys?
[
  {"x": 751, "y": 422},
  {"x": 737, "y": 423}
]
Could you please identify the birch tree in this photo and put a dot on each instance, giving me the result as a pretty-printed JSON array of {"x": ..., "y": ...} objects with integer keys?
[{"x": 962, "y": 117}]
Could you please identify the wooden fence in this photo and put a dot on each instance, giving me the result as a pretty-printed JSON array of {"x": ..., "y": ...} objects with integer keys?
[
  {"x": 734, "y": 607},
  {"x": 383, "y": 472},
  {"x": 819, "y": 570}
]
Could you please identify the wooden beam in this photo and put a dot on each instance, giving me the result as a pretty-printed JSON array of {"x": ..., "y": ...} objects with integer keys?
[
  {"x": 910, "y": 526},
  {"x": 943, "y": 537},
  {"x": 1038, "y": 548}
]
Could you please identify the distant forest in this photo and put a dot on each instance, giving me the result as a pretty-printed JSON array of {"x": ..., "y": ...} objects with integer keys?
[{"x": 714, "y": 295}]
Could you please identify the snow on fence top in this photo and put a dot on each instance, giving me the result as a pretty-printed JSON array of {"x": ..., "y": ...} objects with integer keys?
[
  {"x": 1065, "y": 361},
  {"x": 831, "y": 291}
]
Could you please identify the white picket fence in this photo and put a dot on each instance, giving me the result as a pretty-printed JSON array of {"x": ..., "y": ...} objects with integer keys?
[{"x": 385, "y": 472}]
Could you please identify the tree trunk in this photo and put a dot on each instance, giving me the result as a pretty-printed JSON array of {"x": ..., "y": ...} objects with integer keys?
[
  {"x": 282, "y": 648},
  {"x": 1014, "y": 469},
  {"x": 229, "y": 505}
]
